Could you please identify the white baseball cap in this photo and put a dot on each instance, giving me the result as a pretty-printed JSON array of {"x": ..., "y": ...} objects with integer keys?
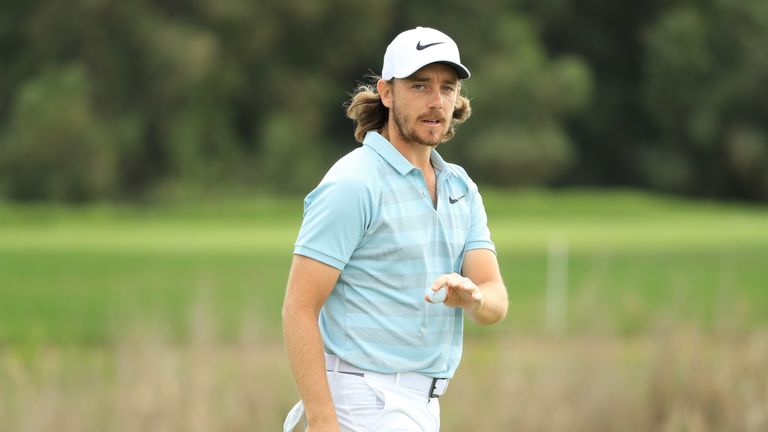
[{"x": 413, "y": 49}]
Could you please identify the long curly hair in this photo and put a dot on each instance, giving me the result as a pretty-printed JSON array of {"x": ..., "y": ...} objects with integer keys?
[{"x": 368, "y": 113}]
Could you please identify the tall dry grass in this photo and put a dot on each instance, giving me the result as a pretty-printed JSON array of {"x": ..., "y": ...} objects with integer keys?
[
  {"x": 148, "y": 381},
  {"x": 671, "y": 381},
  {"x": 681, "y": 381}
]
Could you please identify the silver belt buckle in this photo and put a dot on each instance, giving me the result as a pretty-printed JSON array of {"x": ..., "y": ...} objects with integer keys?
[{"x": 433, "y": 387}]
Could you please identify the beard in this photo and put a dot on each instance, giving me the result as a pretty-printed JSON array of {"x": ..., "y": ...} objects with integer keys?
[{"x": 406, "y": 127}]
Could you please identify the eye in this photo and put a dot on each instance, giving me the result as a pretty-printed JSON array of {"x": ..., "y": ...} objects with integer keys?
[{"x": 418, "y": 86}]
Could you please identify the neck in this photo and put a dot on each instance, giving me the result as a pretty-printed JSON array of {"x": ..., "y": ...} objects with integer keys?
[{"x": 417, "y": 154}]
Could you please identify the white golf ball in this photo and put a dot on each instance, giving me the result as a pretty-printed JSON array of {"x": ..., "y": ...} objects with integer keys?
[{"x": 437, "y": 296}]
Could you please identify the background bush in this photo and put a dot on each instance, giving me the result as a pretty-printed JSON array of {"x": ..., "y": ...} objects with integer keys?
[{"x": 117, "y": 100}]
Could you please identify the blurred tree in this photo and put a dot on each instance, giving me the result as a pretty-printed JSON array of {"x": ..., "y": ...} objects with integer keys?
[
  {"x": 521, "y": 98},
  {"x": 706, "y": 72},
  {"x": 608, "y": 37},
  {"x": 316, "y": 60},
  {"x": 56, "y": 146},
  {"x": 291, "y": 156},
  {"x": 659, "y": 93}
]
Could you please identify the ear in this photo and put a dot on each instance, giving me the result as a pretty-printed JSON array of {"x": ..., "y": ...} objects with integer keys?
[{"x": 385, "y": 92}]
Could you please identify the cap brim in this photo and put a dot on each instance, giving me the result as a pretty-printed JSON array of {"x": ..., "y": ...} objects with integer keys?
[{"x": 460, "y": 69}]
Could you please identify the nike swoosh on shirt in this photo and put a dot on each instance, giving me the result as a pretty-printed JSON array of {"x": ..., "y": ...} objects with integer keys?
[
  {"x": 420, "y": 47},
  {"x": 453, "y": 200}
]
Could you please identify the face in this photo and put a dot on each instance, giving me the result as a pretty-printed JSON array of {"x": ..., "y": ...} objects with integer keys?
[{"x": 421, "y": 106}]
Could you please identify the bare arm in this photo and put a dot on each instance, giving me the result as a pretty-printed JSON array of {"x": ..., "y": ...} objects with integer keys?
[
  {"x": 480, "y": 291},
  {"x": 310, "y": 282}
]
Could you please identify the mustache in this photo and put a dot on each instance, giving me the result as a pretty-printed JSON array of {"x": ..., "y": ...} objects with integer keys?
[{"x": 433, "y": 116}]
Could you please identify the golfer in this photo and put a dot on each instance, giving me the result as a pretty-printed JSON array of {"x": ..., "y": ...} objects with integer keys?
[{"x": 368, "y": 348}]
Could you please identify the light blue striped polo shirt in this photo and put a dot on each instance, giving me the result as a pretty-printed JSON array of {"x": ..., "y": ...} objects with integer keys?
[{"x": 372, "y": 218}]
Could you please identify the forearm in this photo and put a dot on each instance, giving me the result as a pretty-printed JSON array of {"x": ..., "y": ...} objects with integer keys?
[
  {"x": 305, "y": 353},
  {"x": 493, "y": 307}
]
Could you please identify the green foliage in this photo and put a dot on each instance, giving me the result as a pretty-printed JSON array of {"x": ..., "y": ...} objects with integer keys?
[
  {"x": 56, "y": 146},
  {"x": 291, "y": 157},
  {"x": 520, "y": 98},
  {"x": 706, "y": 72},
  {"x": 520, "y": 155},
  {"x": 232, "y": 93}
]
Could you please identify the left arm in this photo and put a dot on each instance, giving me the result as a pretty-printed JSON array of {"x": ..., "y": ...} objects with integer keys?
[{"x": 479, "y": 289}]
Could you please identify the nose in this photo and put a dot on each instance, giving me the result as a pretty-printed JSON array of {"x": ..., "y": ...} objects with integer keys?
[{"x": 435, "y": 99}]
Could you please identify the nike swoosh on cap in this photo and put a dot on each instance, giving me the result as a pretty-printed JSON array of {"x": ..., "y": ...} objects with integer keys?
[{"x": 420, "y": 47}]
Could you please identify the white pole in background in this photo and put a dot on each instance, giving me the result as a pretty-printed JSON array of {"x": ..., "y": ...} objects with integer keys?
[{"x": 557, "y": 285}]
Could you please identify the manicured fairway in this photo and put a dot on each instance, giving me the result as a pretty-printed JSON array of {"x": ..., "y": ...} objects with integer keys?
[{"x": 635, "y": 262}]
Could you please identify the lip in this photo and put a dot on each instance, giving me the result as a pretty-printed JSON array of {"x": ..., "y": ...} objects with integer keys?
[{"x": 432, "y": 122}]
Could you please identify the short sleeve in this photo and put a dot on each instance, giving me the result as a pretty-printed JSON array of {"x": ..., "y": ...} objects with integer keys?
[
  {"x": 479, "y": 234},
  {"x": 336, "y": 216}
]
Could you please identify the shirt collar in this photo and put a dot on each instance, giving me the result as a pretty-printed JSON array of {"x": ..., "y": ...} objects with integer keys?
[
  {"x": 386, "y": 150},
  {"x": 441, "y": 168}
]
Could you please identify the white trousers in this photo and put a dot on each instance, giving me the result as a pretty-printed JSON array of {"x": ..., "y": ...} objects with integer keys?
[{"x": 372, "y": 404}]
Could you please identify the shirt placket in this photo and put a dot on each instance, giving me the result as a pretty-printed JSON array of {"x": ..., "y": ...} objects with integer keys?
[{"x": 421, "y": 186}]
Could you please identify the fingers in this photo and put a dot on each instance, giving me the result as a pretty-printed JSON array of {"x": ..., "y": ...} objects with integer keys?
[
  {"x": 452, "y": 280},
  {"x": 459, "y": 290}
]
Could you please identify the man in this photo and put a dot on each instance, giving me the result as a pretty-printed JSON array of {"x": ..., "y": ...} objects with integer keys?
[{"x": 390, "y": 226}]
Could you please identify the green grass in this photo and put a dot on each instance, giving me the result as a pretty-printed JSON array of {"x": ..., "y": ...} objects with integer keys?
[
  {"x": 92, "y": 297},
  {"x": 636, "y": 262}
]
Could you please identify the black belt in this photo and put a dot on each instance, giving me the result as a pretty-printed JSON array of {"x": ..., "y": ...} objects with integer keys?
[{"x": 432, "y": 387}]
